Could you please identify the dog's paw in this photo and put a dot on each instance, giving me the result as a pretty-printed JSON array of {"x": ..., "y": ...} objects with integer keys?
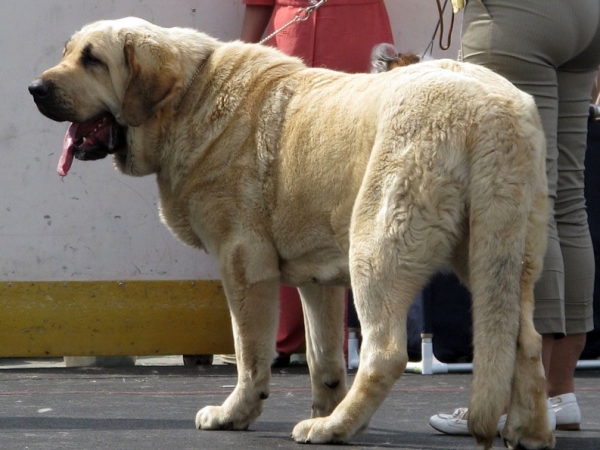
[
  {"x": 320, "y": 431},
  {"x": 536, "y": 437},
  {"x": 513, "y": 440},
  {"x": 527, "y": 430},
  {"x": 220, "y": 418}
]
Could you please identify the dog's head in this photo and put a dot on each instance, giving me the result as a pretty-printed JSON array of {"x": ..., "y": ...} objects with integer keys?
[{"x": 113, "y": 76}]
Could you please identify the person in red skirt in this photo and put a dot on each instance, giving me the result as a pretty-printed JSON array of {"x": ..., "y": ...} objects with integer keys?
[{"x": 339, "y": 35}]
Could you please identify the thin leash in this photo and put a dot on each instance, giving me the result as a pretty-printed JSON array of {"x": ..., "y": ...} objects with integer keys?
[
  {"x": 302, "y": 15},
  {"x": 187, "y": 87},
  {"x": 440, "y": 27}
]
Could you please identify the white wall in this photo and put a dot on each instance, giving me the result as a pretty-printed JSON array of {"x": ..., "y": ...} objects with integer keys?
[{"x": 96, "y": 224}]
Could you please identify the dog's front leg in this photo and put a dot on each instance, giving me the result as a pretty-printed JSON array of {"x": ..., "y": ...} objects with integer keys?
[
  {"x": 324, "y": 319},
  {"x": 251, "y": 285}
]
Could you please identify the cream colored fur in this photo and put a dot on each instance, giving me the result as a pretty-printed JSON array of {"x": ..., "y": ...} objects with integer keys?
[{"x": 313, "y": 178}]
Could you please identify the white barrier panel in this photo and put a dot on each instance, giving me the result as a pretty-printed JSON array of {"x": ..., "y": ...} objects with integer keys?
[{"x": 96, "y": 225}]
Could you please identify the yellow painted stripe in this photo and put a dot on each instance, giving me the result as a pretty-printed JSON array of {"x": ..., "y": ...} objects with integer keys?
[{"x": 107, "y": 318}]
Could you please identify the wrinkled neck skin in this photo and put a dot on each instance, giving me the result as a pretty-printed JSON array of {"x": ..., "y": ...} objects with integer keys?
[
  {"x": 211, "y": 100},
  {"x": 143, "y": 149},
  {"x": 208, "y": 129},
  {"x": 146, "y": 142}
]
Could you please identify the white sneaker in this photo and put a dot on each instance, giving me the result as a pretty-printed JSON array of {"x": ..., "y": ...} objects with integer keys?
[
  {"x": 456, "y": 423},
  {"x": 567, "y": 412},
  {"x": 551, "y": 416}
]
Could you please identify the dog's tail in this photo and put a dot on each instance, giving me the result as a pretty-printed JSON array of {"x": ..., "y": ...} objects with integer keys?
[
  {"x": 508, "y": 217},
  {"x": 385, "y": 57}
]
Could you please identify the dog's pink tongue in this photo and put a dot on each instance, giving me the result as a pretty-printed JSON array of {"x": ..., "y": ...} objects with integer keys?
[{"x": 66, "y": 157}]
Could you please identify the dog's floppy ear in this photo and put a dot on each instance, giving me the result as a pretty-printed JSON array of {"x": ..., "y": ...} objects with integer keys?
[{"x": 154, "y": 78}]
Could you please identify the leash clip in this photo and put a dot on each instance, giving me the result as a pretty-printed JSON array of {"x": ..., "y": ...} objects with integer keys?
[{"x": 304, "y": 13}]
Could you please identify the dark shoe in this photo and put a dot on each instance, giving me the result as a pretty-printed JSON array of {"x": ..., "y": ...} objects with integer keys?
[
  {"x": 281, "y": 361},
  {"x": 197, "y": 360}
]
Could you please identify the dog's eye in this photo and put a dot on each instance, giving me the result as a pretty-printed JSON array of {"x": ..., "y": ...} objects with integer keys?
[{"x": 88, "y": 59}]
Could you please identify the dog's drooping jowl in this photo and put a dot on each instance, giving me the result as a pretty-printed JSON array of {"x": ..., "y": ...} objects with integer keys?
[{"x": 320, "y": 179}]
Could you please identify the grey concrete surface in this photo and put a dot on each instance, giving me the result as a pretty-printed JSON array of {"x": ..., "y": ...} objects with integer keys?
[{"x": 152, "y": 406}]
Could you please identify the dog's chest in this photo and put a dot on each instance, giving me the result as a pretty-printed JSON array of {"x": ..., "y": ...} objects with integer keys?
[{"x": 176, "y": 215}]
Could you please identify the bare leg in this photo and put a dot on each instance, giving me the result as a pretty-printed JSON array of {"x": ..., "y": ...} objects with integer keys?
[{"x": 561, "y": 362}]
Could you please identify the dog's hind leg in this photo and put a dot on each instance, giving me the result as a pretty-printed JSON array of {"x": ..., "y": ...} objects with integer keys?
[
  {"x": 382, "y": 298},
  {"x": 507, "y": 238},
  {"x": 388, "y": 268},
  {"x": 323, "y": 308},
  {"x": 527, "y": 423},
  {"x": 494, "y": 279}
]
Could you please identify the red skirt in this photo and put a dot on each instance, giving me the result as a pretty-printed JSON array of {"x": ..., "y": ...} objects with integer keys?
[{"x": 339, "y": 35}]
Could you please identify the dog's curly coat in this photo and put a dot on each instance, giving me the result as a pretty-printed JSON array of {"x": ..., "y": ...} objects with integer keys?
[{"x": 314, "y": 178}]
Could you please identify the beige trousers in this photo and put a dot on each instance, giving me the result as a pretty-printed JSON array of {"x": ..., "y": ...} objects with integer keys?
[{"x": 550, "y": 49}]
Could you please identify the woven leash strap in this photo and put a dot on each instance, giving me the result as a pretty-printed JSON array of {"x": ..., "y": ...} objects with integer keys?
[{"x": 301, "y": 16}]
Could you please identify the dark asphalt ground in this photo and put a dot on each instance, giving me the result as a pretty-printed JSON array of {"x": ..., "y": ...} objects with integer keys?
[{"x": 153, "y": 407}]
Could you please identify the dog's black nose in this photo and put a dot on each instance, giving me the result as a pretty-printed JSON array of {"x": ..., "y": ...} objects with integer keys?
[{"x": 38, "y": 88}]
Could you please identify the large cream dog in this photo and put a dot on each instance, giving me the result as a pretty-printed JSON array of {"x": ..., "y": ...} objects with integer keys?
[{"x": 315, "y": 178}]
